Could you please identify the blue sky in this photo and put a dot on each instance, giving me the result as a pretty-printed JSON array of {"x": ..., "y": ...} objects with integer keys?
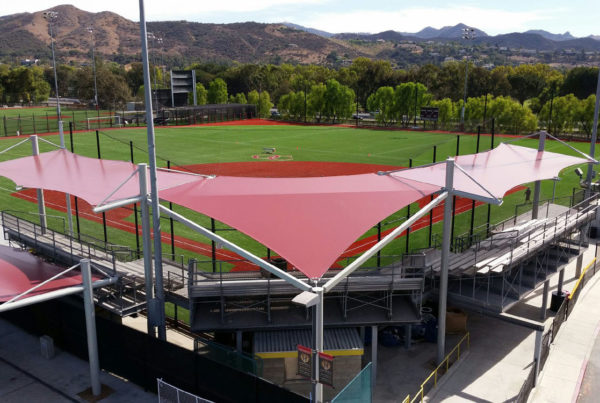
[{"x": 580, "y": 17}]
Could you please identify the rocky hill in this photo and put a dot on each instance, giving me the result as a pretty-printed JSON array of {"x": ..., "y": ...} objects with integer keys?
[{"x": 27, "y": 35}]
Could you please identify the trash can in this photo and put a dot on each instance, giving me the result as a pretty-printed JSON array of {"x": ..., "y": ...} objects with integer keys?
[{"x": 557, "y": 300}]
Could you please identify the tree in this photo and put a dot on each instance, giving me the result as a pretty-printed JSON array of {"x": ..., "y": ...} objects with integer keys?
[
  {"x": 382, "y": 102},
  {"x": 292, "y": 105},
  {"x": 528, "y": 81},
  {"x": 511, "y": 116},
  {"x": 264, "y": 104},
  {"x": 584, "y": 115},
  {"x": 446, "y": 111},
  {"x": 339, "y": 100},
  {"x": 580, "y": 81},
  {"x": 564, "y": 111},
  {"x": 217, "y": 92},
  {"x": 240, "y": 98},
  {"x": 253, "y": 98},
  {"x": 262, "y": 101},
  {"x": 26, "y": 85},
  {"x": 316, "y": 101},
  {"x": 371, "y": 74},
  {"x": 201, "y": 95}
]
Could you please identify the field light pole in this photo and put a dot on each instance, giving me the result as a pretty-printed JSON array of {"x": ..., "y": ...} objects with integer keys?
[
  {"x": 51, "y": 16},
  {"x": 157, "y": 308},
  {"x": 91, "y": 31},
  {"x": 590, "y": 169},
  {"x": 468, "y": 34}
]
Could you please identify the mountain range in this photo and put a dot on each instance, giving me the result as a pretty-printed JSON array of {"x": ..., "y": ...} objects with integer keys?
[{"x": 26, "y": 35}]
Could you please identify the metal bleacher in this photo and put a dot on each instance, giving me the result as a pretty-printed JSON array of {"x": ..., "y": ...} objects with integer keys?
[
  {"x": 508, "y": 261},
  {"x": 124, "y": 298},
  {"x": 249, "y": 300}
]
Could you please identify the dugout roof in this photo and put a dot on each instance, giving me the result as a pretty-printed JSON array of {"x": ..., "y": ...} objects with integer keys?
[{"x": 308, "y": 221}]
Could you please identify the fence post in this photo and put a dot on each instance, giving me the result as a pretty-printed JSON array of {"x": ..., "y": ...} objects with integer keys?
[{"x": 5, "y": 131}]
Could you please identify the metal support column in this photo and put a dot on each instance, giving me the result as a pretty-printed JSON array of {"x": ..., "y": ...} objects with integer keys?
[
  {"x": 35, "y": 150},
  {"x": 238, "y": 341},
  {"x": 544, "y": 307},
  {"x": 317, "y": 387},
  {"x": 579, "y": 266},
  {"x": 90, "y": 326},
  {"x": 147, "y": 249},
  {"x": 373, "y": 358},
  {"x": 536, "y": 191},
  {"x": 407, "y": 336},
  {"x": 160, "y": 303},
  {"x": 441, "y": 336},
  {"x": 561, "y": 277}
]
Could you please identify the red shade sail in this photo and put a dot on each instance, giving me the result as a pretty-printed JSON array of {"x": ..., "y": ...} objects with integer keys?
[
  {"x": 89, "y": 178},
  {"x": 497, "y": 170},
  {"x": 21, "y": 271},
  {"x": 309, "y": 221}
]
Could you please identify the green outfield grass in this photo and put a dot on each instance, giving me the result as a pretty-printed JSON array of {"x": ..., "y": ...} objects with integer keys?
[
  {"x": 214, "y": 144},
  {"x": 43, "y": 119}
]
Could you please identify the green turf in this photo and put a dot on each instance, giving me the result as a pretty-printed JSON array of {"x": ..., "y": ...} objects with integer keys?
[
  {"x": 43, "y": 120},
  {"x": 214, "y": 144}
]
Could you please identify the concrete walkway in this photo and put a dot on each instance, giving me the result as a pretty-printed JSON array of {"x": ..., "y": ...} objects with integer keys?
[
  {"x": 501, "y": 353},
  {"x": 26, "y": 376},
  {"x": 560, "y": 381}
]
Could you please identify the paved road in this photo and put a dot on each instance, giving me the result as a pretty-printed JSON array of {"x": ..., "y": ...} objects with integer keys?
[{"x": 590, "y": 386}]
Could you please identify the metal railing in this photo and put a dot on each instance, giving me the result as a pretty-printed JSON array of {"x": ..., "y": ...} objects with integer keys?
[
  {"x": 451, "y": 358},
  {"x": 63, "y": 244},
  {"x": 168, "y": 393}
]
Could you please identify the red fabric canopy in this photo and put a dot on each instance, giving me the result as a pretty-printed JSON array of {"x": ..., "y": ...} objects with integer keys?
[
  {"x": 21, "y": 271},
  {"x": 308, "y": 221},
  {"x": 89, "y": 178},
  {"x": 498, "y": 170}
]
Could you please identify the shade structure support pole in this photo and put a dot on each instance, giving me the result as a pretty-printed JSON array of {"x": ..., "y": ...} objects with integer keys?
[
  {"x": 158, "y": 270},
  {"x": 147, "y": 248},
  {"x": 329, "y": 285},
  {"x": 441, "y": 335},
  {"x": 90, "y": 326},
  {"x": 35, "y": 150},
  {"x": 536, "y": 190},
  {"x": 234, "y": 248},
  {"x": 317, "y": 387}
]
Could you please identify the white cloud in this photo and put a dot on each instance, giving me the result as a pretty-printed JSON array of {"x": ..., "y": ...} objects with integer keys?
[{"x": 414, "y": 19}]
